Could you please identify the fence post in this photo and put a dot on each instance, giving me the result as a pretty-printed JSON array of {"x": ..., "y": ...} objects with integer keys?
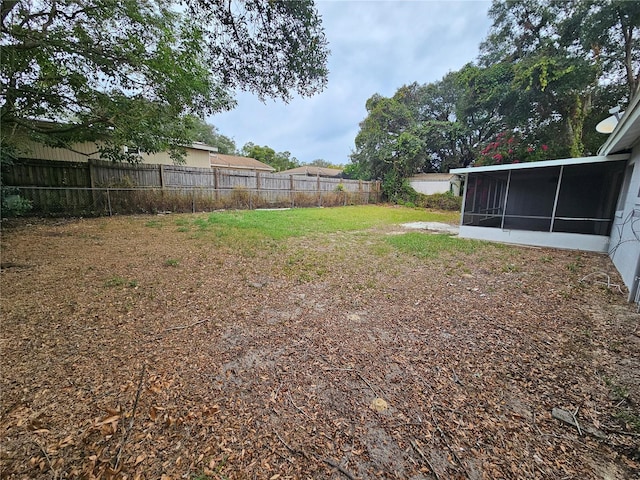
[
  {"x": 109, "y": 202},
  {"x": 292, "y": 191},
  {"x": 162, "y": 182},
  {"x": 216, "y": 182},
  {"x": 92, "y": 181},
  {"x": 257, "y": 189}
]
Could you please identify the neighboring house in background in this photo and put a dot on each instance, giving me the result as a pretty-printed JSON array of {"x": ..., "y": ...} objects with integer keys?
[
  {"x": 197, "y": 154},
  {"x": 430, "y": 183},
  {"x": 219, "y": 160},
  {"x": 589, "y": 203},
  {"x": 313, "y": 171}
]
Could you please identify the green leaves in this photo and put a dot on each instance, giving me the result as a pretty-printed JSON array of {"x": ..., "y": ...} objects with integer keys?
[
  {"x": 562, "y": 55},
  {"x": 129, "y": 73},
  {"x": 280, "y": 161}
]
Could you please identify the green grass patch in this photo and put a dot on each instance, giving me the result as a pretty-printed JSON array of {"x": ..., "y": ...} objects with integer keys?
[
  {"x": 426, "y": 245},
  {"x": 253, "y": 225}
]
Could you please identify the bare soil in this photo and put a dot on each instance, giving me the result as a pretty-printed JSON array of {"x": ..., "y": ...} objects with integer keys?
[{"x": 134, "y": 348}]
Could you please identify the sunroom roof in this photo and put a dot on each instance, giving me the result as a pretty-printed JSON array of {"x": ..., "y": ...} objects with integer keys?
[{"x": 541, "y": 164}]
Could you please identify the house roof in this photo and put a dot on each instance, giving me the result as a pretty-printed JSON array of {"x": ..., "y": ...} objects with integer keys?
[
  {"x": 627, "y": 131},
  {"x": 237, "y": 162},
  {"x": 433, "y": 177},
  {"x": 313, "y": 171},
  {"x": 203, "y": 146},
  {"x": 542, "y": 164}
]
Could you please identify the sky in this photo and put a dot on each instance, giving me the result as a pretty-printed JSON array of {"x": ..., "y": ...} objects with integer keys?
[{"x": 376, "y": 47}]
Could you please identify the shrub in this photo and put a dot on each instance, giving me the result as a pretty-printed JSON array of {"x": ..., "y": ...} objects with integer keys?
[
  {"x": 441, "y": 201},
  {"x": 397, "y": 189},
  {"x": 12, "y": 204}
]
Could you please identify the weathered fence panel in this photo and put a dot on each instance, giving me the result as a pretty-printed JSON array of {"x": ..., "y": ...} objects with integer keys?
[
  {"x": 45, "y": 173},
  {"x": 177, "y": 175},
  {"x": 111, "y": 174},
  {"x": 68, "y": 175},
  {"x": 99, "y": 188}
]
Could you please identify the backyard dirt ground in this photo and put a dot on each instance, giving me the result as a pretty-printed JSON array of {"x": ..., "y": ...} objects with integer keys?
[{"x": 138, "y": 347}]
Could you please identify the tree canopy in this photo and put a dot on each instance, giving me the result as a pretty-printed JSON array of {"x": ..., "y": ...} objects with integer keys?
[
  {"x": 321, "y": 162},
  {"x": 279, "y": 160},
  {"x": 131, "y": 72},
  {"x": 209, "y": 134},
  {"x": 547, "y": 73}
]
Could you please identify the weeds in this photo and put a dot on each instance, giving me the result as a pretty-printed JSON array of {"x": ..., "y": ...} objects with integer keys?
[
  {"x": 573, "y": 267},
  {"x": 624, "y": 413},
  {"x": 510, "y": 268}
]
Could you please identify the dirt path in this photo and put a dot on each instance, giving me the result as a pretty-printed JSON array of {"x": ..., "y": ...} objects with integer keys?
[{"x": 135, "y": 349}]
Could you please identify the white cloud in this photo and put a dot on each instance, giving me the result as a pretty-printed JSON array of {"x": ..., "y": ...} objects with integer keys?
[{"x": 376, "y": 47}]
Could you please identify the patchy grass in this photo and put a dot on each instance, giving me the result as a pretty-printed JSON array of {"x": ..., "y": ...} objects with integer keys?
[
  {"x": 426, "y": 245},
  {"x": 280, "y": 224}
]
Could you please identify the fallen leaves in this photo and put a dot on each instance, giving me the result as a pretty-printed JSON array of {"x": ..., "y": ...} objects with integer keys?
[{"x": 383, "y": 365}]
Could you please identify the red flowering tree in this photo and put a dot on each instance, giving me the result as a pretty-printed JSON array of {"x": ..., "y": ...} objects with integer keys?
[{"x": 510, "y": 148}]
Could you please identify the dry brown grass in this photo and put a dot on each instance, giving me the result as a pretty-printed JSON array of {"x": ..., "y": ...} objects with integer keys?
[{"x": 266, "y": 362}]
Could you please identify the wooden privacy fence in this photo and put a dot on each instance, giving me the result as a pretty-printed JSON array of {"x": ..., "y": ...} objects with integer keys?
[{"x": 105, "y": 188}]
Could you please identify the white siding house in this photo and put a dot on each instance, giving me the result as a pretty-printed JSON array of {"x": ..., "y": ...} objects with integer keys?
[
  {"x": 430, "y": 183},
  {"x": 589, "y": 203}
]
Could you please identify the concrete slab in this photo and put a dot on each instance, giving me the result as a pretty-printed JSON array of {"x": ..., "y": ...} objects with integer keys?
[{"x": 433, "y": 226}]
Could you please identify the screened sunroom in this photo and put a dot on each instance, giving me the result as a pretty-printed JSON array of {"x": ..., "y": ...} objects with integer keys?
[{"x": 567, "y": 203}]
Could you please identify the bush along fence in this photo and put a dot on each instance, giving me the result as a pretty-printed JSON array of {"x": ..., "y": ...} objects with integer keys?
[{"x": 104, "y": 188}]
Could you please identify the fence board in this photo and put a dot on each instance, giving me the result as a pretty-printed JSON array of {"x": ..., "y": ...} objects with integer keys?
[
  {"x": 98, "y": 187},
  {"x": 111, "y": 174},
  {"x": 177, "y": 175}
]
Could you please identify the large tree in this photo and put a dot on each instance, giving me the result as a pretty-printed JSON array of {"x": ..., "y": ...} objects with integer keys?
[
  {"x": 429, "y": 128},
  {"x": 130, "y": 72},
  {"x": 209, "y": 134},
  {"x": 279, "y": 160},
  {"x": 387, "y": 140},
  {"x": 608, "y": 33},
  {"x": 565, "y": 57}
]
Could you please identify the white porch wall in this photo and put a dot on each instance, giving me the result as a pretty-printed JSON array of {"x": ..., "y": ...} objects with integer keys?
[{"x": 571, "y": 241}]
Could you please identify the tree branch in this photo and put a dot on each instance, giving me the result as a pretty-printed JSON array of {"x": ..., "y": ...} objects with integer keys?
[
  {"x": 5, "y": 9},
  {"x": 127, "y": 432}
]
